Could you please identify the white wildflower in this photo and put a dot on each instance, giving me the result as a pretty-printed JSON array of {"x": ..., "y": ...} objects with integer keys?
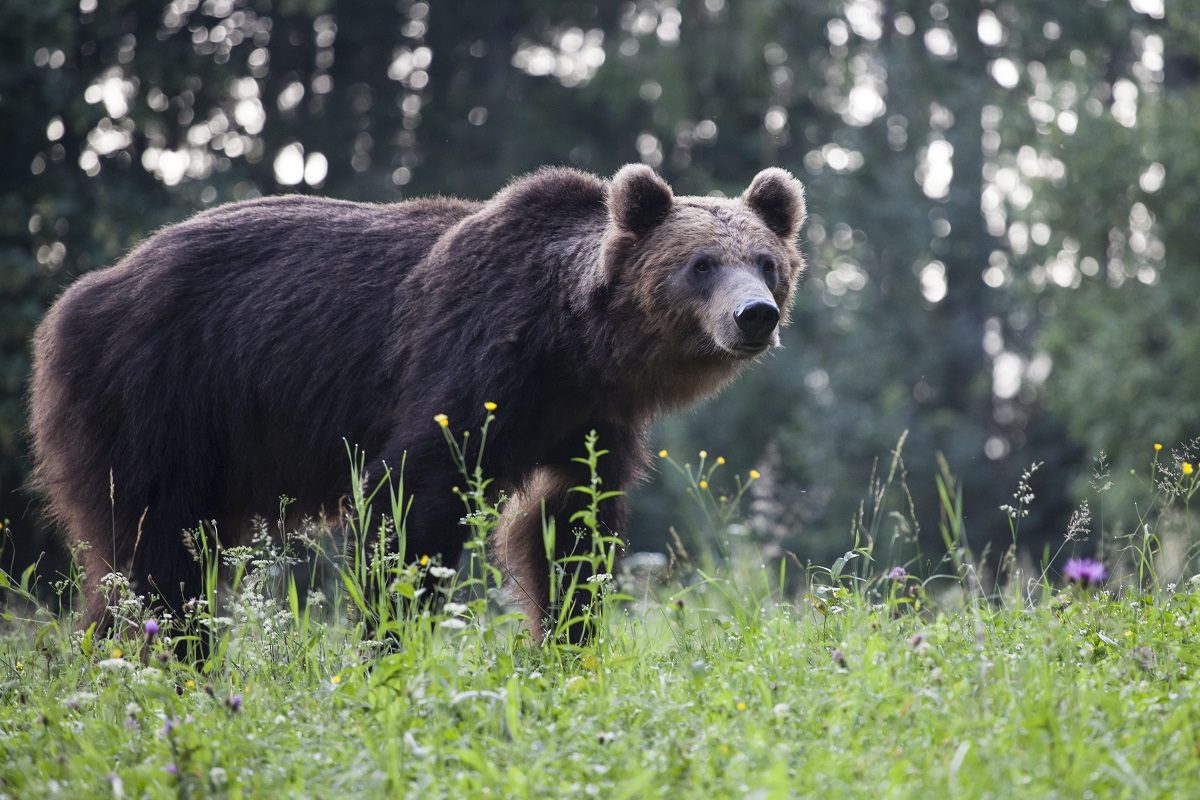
[
  {"x": 79, "y": 699},
  {"x": 115, "y": 664}
]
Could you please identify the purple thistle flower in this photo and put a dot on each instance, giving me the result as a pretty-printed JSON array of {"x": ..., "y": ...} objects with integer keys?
[
  {"x": 171, "y": 769},
  {"x": 234, "y": 702},
  {"x": 151, "y": 628},
  {"x": 1084, "y": 571},
  {"x": 897, "y": 574}
]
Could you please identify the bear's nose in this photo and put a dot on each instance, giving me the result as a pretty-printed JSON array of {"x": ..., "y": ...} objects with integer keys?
[{"x": 757, "y": 319}]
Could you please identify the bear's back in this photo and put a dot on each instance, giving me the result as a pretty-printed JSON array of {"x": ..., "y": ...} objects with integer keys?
[{"x": 255, "y": 327}]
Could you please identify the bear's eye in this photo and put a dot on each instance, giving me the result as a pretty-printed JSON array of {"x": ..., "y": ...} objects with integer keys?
[
  {"x": 703, "y": 264},
  {"x": 768, "y": 267}
]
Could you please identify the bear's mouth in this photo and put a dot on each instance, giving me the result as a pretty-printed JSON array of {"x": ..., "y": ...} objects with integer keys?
[{"x": 750, "y": 349}]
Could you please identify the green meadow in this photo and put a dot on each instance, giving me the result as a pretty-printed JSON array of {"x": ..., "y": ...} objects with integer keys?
[{"x": 313, "y": 667}]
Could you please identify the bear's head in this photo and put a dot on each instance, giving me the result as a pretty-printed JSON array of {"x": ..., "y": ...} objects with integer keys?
[{"x": 711, "y": 279}]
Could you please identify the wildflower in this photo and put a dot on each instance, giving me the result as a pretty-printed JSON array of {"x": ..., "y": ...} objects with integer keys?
[
  {"x": 424, "y": 561},
  {"x": 662, "y": 453},
  {"x": 1157, "y": 446},
  {"x": 443, "y": 420},
  {"x": 490, "y": 406},
  {"x": 78, "y": 700},
  {"x": 755, "y": 474},
  {"x": 720, "y": 459},
  {"x": 442, "y": 573},
  {"x": 116, "y": 653},
  {"x": 1084, "y": 571},
  {"x": 897, "y": 574},
  {"x": 455, "y": 609},
  {"x": 703, "y": 454},
  {"x": 114, "y": 664},
  {"x": 1187, "y": 468},
  {"x": 741, "y": 706},
  {"x": 189, "y": 683},
  {"x": 234, "y": 703},
  {"x": 151, "y": 629},
  {"x": 839, "y": 658},
  {"x": 600, "y": 577},
  {"x": 703, "y": 484},
  {"x": 171, "y": 769},
  {"x": 336, "y": 679},
  {"x": 780, "y": 709},
  {"x": 454, "y": 624}
]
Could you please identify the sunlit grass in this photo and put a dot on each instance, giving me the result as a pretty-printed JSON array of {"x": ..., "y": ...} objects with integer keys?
[{"x": 720, "y": 674}]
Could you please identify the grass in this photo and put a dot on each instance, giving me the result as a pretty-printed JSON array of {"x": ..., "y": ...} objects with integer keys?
[{"x": 724, "y": 678}]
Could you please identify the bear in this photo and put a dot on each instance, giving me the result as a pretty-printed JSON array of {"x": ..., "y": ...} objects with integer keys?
[{"x": 228, "y": 359}]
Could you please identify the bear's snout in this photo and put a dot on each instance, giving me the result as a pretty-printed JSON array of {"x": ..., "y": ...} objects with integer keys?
[{"x": 757, "y": 320}]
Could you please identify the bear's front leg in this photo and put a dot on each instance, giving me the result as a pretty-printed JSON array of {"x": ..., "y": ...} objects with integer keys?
[{"x": 548, "y": 555}]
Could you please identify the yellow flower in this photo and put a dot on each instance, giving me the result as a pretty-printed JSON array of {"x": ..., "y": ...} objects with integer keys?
[
  {"x": 1187, "y": 468},
  {"x": 720, "y": 459},
  {"x": 755, "y": 474},
  {"x": 189, "y": 683},
  {"x": 662, "y": 453},
  {"x": 1157, "y": 447},
  {"x": 442, "y": 419},
  {"x": 490, "y": 406},
  {"x": 703, "y": 454},
  {"x": 116, "y": 653},
  {"x": 335, "y": 680},
  {"x": 424, "y": 561},
  {"x": 703, "y": 484},
  {"x": 741, "y": 706}
]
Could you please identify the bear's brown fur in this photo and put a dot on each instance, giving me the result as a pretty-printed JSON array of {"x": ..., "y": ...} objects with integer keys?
[{"x": 222, "y": 363}]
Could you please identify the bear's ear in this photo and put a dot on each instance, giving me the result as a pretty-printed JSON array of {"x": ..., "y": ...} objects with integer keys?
[
  {"x": 778, "y": 199},
  {"x": 638, "y": 199}
]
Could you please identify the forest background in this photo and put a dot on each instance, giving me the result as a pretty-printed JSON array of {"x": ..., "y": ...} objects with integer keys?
[{"x": 1003, "y": 206}]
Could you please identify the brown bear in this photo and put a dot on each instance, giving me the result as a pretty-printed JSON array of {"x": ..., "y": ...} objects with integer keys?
[{"x": 227, "y": 359}]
